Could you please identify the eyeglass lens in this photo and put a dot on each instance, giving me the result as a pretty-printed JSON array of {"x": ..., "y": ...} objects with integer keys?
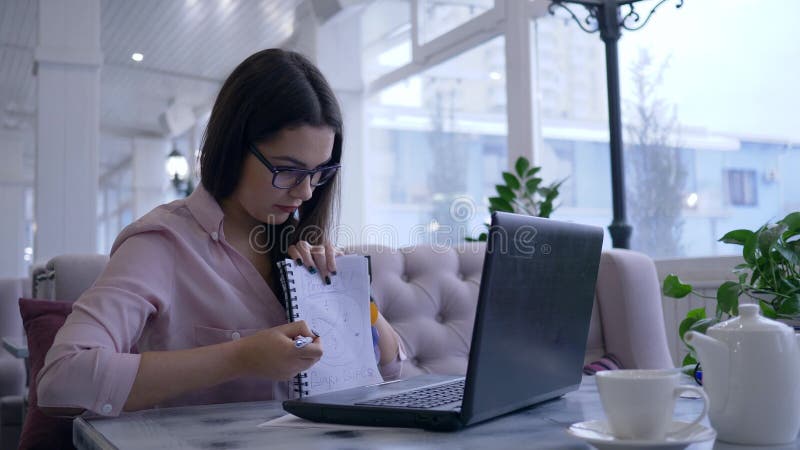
[{"x": 290, "y": 178}]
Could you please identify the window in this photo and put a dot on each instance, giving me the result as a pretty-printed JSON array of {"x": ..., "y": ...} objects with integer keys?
[
  {"x": 706, "y": 151},
  {"x": 437, "y": 17},
  {"x": 386, "y": 37},
  {"x": 742, "y": 189},
  {"x": 437, "y": 147}
]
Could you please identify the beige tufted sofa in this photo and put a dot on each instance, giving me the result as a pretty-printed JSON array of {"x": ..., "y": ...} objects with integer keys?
[{"x": 429, "y": 294}]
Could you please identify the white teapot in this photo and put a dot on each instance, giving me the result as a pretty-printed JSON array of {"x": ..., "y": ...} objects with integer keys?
[{"x": 751, "y": 372}]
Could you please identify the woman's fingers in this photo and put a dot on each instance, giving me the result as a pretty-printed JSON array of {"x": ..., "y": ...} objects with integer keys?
[
  {"x": 316, "y": 258},
  {"x": 330, "y": 258},
  {"x": 318, "y": 253},
  {"x": 302, "y": 252}
]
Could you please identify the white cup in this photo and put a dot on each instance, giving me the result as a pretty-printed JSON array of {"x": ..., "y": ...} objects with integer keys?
[{"x": 639, "y": 403}]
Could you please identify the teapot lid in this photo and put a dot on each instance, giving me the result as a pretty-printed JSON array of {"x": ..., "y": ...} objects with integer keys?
[{"x": 750, "y": 319}]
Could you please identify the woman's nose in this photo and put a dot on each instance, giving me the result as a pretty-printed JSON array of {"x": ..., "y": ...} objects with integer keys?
[{"x": 303, "y": 190}]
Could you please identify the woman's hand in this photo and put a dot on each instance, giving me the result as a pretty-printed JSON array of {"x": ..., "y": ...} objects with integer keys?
[
  {"x": 271, "y": 353},
  {"x": 316, "y": 258}
]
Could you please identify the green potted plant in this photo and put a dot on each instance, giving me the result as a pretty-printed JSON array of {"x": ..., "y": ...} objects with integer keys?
[
  {"x": 523, "y": 193},
  {"x": 770, "y": 275}
]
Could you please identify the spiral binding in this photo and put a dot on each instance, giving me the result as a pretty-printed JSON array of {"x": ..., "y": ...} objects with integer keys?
[{"x": 287, "y": 279}]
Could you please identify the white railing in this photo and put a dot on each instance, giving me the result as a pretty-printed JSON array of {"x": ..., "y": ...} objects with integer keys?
[{"x": 705, "y": 275}]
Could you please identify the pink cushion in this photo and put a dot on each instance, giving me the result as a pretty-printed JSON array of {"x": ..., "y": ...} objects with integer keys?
[
  {"x": 41, "y": 320},
  {"x": 607, "y": 362}
]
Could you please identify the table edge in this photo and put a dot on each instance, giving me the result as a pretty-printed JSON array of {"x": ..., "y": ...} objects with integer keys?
[{"x": 86, "y": 437}]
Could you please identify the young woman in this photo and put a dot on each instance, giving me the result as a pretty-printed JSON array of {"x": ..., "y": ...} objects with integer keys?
[{"x": 192, "y": 285}]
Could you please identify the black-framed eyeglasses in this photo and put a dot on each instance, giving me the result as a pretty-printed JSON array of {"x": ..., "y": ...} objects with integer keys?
[{"x": 289, "y": 177}]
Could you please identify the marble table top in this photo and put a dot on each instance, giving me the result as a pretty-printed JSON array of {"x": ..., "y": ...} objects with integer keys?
[{"x": 235, "y": 426}]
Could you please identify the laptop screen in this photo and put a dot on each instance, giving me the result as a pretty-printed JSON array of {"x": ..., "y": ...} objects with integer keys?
[{"x": 534, "y": 308}]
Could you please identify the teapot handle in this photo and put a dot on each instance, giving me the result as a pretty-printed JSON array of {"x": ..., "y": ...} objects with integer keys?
[{"x": 700, "y": 392}]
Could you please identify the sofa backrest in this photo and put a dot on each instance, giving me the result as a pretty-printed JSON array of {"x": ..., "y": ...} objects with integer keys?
[
  {"x": 69, "y": 275},
  {"x": 429, "y": 295}
]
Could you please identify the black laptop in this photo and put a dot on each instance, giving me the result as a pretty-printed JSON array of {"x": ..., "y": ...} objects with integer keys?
[{"x": 528, "y": 341}]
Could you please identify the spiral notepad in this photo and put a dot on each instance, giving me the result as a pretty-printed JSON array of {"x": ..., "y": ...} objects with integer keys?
[{"x": 339, "y": 312}]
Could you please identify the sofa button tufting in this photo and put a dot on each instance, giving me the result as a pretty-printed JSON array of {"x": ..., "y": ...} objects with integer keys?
[
  {"x": 439, "y": 318},
  {"x": 404, "y": 277},
  {"x": 461, "y": 276}
]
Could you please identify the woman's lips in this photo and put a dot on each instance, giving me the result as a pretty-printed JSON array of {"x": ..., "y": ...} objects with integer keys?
[{"x": 286, "y": 209}]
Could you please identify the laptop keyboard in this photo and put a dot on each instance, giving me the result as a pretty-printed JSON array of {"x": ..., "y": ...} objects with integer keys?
[{"x": 427, "y": 397}]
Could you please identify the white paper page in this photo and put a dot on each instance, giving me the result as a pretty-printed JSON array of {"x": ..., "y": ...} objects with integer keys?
[{"x": 339, "y": 312}]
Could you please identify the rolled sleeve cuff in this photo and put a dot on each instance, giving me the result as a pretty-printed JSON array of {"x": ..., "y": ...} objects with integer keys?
[
  {"x": 393, "y": 370},
  {"x": 117, "y": 383}
]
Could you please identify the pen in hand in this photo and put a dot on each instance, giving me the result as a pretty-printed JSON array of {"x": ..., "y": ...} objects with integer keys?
[{"x": 302, "y": 341}]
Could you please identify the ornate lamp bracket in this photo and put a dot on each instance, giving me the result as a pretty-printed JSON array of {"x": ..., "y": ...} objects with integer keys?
[
  {"x": 589, "y": 24},
  {"x": 630, "y": 19}
]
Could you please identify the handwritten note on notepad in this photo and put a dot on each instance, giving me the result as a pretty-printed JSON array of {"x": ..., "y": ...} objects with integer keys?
[{"x": 339, "y": 312}]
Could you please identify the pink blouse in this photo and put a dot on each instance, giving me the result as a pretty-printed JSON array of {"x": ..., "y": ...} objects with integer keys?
[{"x": 173, "y": 282}]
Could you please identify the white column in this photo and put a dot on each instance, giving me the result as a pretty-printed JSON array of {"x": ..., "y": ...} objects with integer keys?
[
  {"x": 339, "y": 59},
  {"x": 518, "y": 81},
  {"x": 12, "y": 204},
  {"x": 149, "y": 175},
  {"x": 68, "y": 60}
]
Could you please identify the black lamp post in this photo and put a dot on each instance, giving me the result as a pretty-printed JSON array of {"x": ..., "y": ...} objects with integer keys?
[
  {"x": 178, "y": 170},
  {"x": 609, "y": 17}
]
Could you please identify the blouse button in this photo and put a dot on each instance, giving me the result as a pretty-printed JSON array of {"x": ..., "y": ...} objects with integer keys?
[
  {"x": 106, "y": 409},
  {"x": 235, "y": 336},
  {"x": 214, "y": 235}
]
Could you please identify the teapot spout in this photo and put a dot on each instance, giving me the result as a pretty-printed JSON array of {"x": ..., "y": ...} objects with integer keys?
[{"x": 714, "y": 357}]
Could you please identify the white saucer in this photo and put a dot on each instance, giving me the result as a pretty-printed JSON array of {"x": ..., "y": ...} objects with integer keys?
[{"x": 597, "y": 433}]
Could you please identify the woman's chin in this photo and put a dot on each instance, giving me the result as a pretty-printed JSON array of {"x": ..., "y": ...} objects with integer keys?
[{"x": 275, "y": 218}]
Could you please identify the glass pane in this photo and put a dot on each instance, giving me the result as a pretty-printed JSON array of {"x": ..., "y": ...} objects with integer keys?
[
  {"x": 437, "y": 17},
  {"x": 437, "y": 147},
  {"x": 572, "y": 115},
  {"x": 386, "y": 37},
  {"x": 706, "y": 151},
  {"x": 731, "y": 125}
]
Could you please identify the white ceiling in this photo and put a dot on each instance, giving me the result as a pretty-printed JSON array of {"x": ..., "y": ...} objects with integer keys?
[{"x": 189, "y": 47}]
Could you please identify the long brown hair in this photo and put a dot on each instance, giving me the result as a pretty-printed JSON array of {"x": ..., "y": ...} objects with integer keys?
[{"x": 269, "y": 91}]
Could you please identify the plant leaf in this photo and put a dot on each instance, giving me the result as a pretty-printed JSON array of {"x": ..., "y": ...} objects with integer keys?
[
  {"x": 673, "y": 287},
  {"x": 749, "y": 249},
  {"x": 505, "y": 193},
  {"x": 686, "y": 323},
  {"x": 738, "y": 237},
  {"x": 702, "y": 325},
  {"x": 545, "y": 209},
  {"x": 792, "y": 221},
  {"x": 689, "y": 360},
  {"x": 532, "y": 171},
  {"x": 768, "y": 238},
  {"x": 692, "y": 317},
  {"x": 791, "y": 256},
  {"x": 728, "y": 297},
  {"x": 697, "y": 313},
  {"x": 767, "y": 310},
  {"x": 500, "y": 205},
  {"x": 511, "y": 181},
  {"x": 521, "y": 166},
  {"x": 789, "y": 307},
  {"x": 532, "y": 184}
]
